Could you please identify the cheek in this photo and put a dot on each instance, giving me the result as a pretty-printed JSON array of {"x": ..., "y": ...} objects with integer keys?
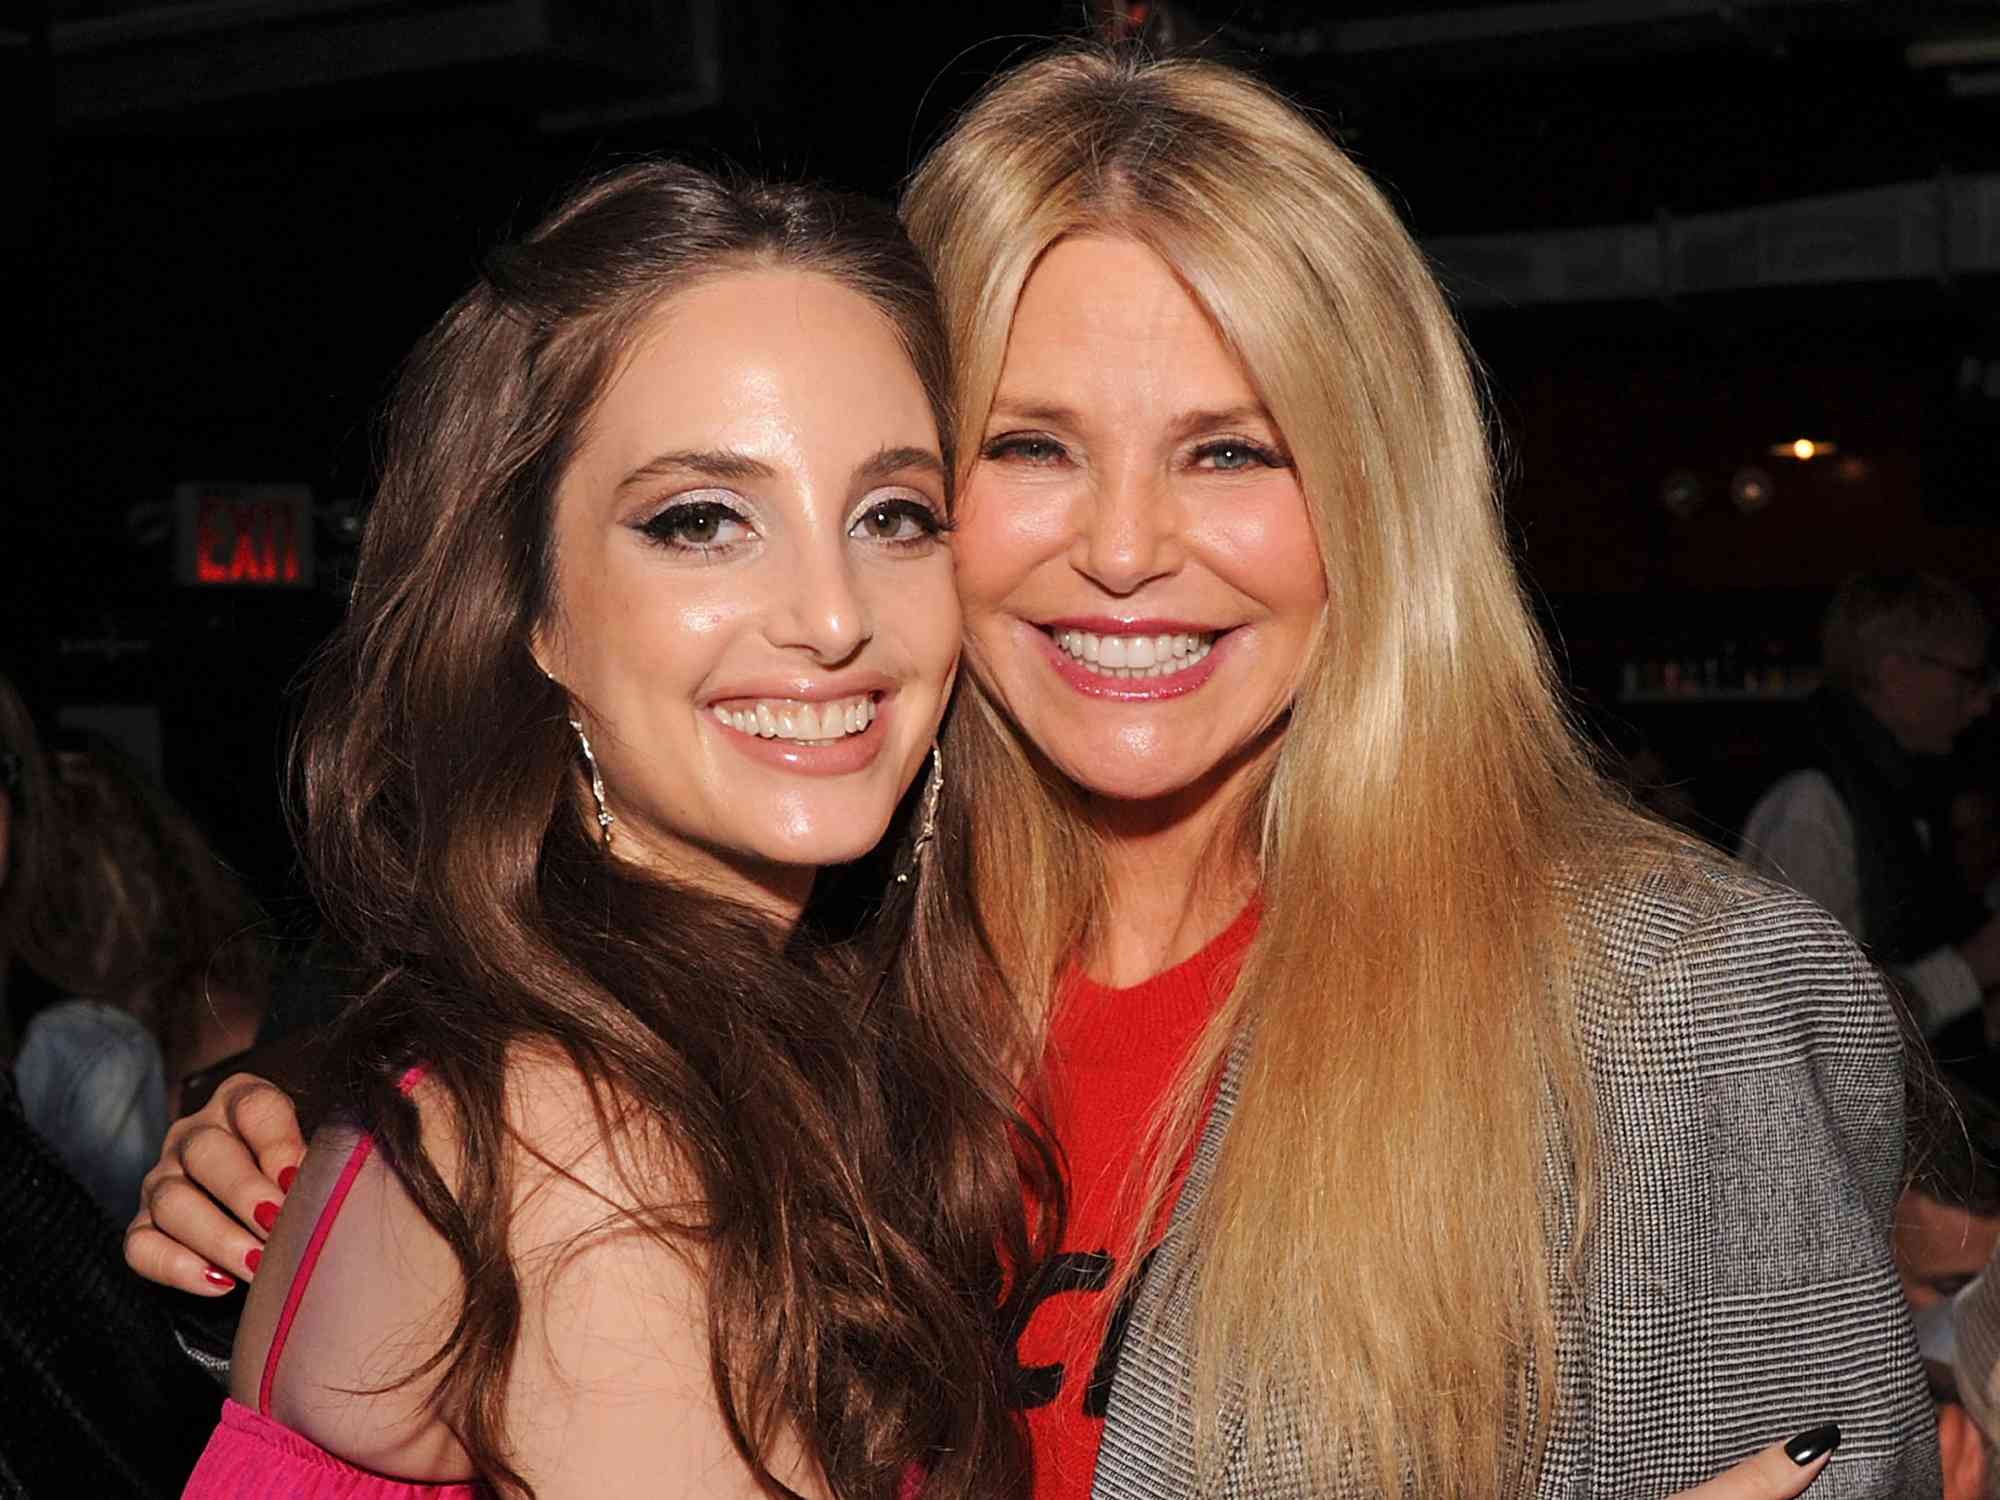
[
  {"x": 1268, "y": 551},
  {"x": 928, "y": 611},
  {"x": 1004, "y": 533},
  {"x": 635, "y": 634}
]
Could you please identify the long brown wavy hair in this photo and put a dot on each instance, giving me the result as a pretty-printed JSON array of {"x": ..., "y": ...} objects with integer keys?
[{"x": 845, "y": 1111}]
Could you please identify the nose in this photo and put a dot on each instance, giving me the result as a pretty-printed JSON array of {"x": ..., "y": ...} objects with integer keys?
[
  {"x": 1128, "y": 531},
  {"x": 821, "y": 610}
]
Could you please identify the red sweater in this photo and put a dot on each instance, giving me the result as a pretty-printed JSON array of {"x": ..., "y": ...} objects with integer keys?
[{"x": 1112, "y": 1056}]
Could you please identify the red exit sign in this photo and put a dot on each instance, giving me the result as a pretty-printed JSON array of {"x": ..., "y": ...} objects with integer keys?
[{"x": 244, "y": 535}]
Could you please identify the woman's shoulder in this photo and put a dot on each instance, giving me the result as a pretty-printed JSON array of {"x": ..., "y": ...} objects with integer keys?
[
  {"x": 355, "y": 1291},
  {"x": 75, "y": 1036},
  {"x": 1646, "y": 901},
  {"x": 1672, "y": 935}
]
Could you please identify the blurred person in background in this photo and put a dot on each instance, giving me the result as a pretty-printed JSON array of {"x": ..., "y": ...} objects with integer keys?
[
  {"x": 97, "y": 1396},
  {"x": 1947, "y": 1228},
  {"x": 163, "y": 952},
  {"x": 1975, "y": 836},
  {"x": 22, "y": 791},
  {"x": 1863, "y": 830}
]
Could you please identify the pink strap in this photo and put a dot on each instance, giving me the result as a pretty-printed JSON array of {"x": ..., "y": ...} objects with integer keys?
[{"x": 356, "y": 1159}]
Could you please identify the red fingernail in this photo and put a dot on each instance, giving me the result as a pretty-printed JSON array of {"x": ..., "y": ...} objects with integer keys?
[
  {"x": 286, "y": 1178},
  {"x": 266, "y": 1214},
  {"x": 218, "y": 1278},
  {"x": 253, "y": 1259}
]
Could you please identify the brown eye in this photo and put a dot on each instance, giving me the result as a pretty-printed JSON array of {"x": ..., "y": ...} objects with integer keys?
[
  {"x": 898, "y": 522},
  {"x": 699, "y": 525}
]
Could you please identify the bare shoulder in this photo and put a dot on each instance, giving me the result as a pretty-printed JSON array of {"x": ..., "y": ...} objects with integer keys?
[
  {"x": 612, "y": 1375},
  {"x": 379, "y": 1299},
  {"x": 610, "y": 1372}
]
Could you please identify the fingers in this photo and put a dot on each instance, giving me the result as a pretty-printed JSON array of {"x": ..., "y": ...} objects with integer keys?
[
  {"x": 158, "y": 1258},
  {"x": 261, "y": 1114},
  {"x": 1962, "y": 1453},
  {"x": 1776, "y": 1473},
  {"x": 207, "y": 1206}
]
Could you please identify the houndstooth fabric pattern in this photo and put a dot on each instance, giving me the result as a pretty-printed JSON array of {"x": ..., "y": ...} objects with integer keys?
[{"x": 1738, "y": 1288}]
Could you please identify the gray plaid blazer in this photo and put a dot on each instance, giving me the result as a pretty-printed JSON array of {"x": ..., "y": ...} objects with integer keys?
[{"x": 1739, "y": 1287}]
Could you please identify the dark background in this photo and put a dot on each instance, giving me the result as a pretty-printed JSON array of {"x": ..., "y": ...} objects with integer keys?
[{"x": 222, "y": 223}]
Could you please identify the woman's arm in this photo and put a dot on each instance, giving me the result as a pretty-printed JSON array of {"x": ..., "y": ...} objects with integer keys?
[{"x": 1738, "y": 1279}]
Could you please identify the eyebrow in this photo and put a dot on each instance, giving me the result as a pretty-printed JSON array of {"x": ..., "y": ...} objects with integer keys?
[
  {"x": 711, "y": 463},
  {"x": 893, "y": 461},
  {"x": 725, "y": 464}
]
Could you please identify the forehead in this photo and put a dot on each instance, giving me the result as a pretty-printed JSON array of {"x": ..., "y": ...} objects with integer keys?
[
  {"x": 1098, "y": 313},
  {"x": 762, "y": 344}
]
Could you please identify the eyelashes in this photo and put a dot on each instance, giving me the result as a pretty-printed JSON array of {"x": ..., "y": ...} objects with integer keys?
[
  {"x": 1220, "y": 455},
  {"x": 1233, "y": 455},
  {"x": 699, "y": 526},
  {"x": 708, "y": 528},
  {"x": 899, "y": 521},
  {"x": 1027, "y": 447}
]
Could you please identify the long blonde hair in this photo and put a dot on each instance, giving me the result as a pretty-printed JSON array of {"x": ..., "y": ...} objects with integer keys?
[{"x": 1405, "y": 1011}]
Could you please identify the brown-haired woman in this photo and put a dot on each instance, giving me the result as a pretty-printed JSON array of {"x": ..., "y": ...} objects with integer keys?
[{"x": 654, "y": 618}]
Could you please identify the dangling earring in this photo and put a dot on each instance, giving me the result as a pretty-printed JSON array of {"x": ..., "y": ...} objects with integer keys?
[
  {"x": 604, "y": 818},
  {"x": 927, "y": 823}
]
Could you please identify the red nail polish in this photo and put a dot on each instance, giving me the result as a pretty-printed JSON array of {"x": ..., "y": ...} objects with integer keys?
[
  {"x": 286, "y": 1178},
  {"x": 253, "y": 1259},
  {"x": 218, "y": 1278},
  {"x": 266, "y": 1214}
]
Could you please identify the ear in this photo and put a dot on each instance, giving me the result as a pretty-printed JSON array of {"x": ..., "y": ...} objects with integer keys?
[{"x": 546, "y": 653}]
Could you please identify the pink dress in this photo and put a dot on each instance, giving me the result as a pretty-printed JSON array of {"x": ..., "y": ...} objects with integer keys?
[{"x": 253, "y": 1456}]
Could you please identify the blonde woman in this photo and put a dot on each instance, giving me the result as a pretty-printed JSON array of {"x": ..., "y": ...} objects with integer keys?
[
  {"x": 1548, "y": 1156},
  {"x": 1435, "y": 1124}
]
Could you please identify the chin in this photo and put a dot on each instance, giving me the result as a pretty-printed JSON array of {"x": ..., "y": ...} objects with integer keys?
[{"x": 1132, "y": 783}]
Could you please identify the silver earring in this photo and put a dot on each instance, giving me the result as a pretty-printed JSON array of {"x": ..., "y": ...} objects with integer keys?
[
  {"x": 927, "y": 823},
  {"x": 604, "y": 818}
]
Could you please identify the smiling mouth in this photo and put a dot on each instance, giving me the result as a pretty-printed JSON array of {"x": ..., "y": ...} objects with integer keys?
[
  {"x": 794, "y": 719},
  {"x": 1133, "y": 656}
]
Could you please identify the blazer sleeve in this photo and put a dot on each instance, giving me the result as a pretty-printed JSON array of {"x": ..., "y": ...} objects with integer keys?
[{"x": 1737, "y": 1285}]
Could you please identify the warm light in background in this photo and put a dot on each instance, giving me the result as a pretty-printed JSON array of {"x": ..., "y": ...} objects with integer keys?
[{"x": 1804, "y": 449}]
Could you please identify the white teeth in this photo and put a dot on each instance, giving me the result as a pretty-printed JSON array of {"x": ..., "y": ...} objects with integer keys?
[
  {"x": 1134, "y": 655},
  {"x": 792, "y": 719}
]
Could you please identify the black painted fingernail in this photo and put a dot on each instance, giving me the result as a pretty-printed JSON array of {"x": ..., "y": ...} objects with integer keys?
[{"x": 1814, "y": 1442}]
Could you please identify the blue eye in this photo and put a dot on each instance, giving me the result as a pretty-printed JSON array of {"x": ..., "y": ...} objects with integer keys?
[
  {"x": 1232, "y": 455},
  {"x": 1024, "y": 447}
]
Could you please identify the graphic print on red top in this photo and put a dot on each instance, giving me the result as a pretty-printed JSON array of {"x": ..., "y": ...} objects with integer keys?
[{"x": 1113, "y": 1054}]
